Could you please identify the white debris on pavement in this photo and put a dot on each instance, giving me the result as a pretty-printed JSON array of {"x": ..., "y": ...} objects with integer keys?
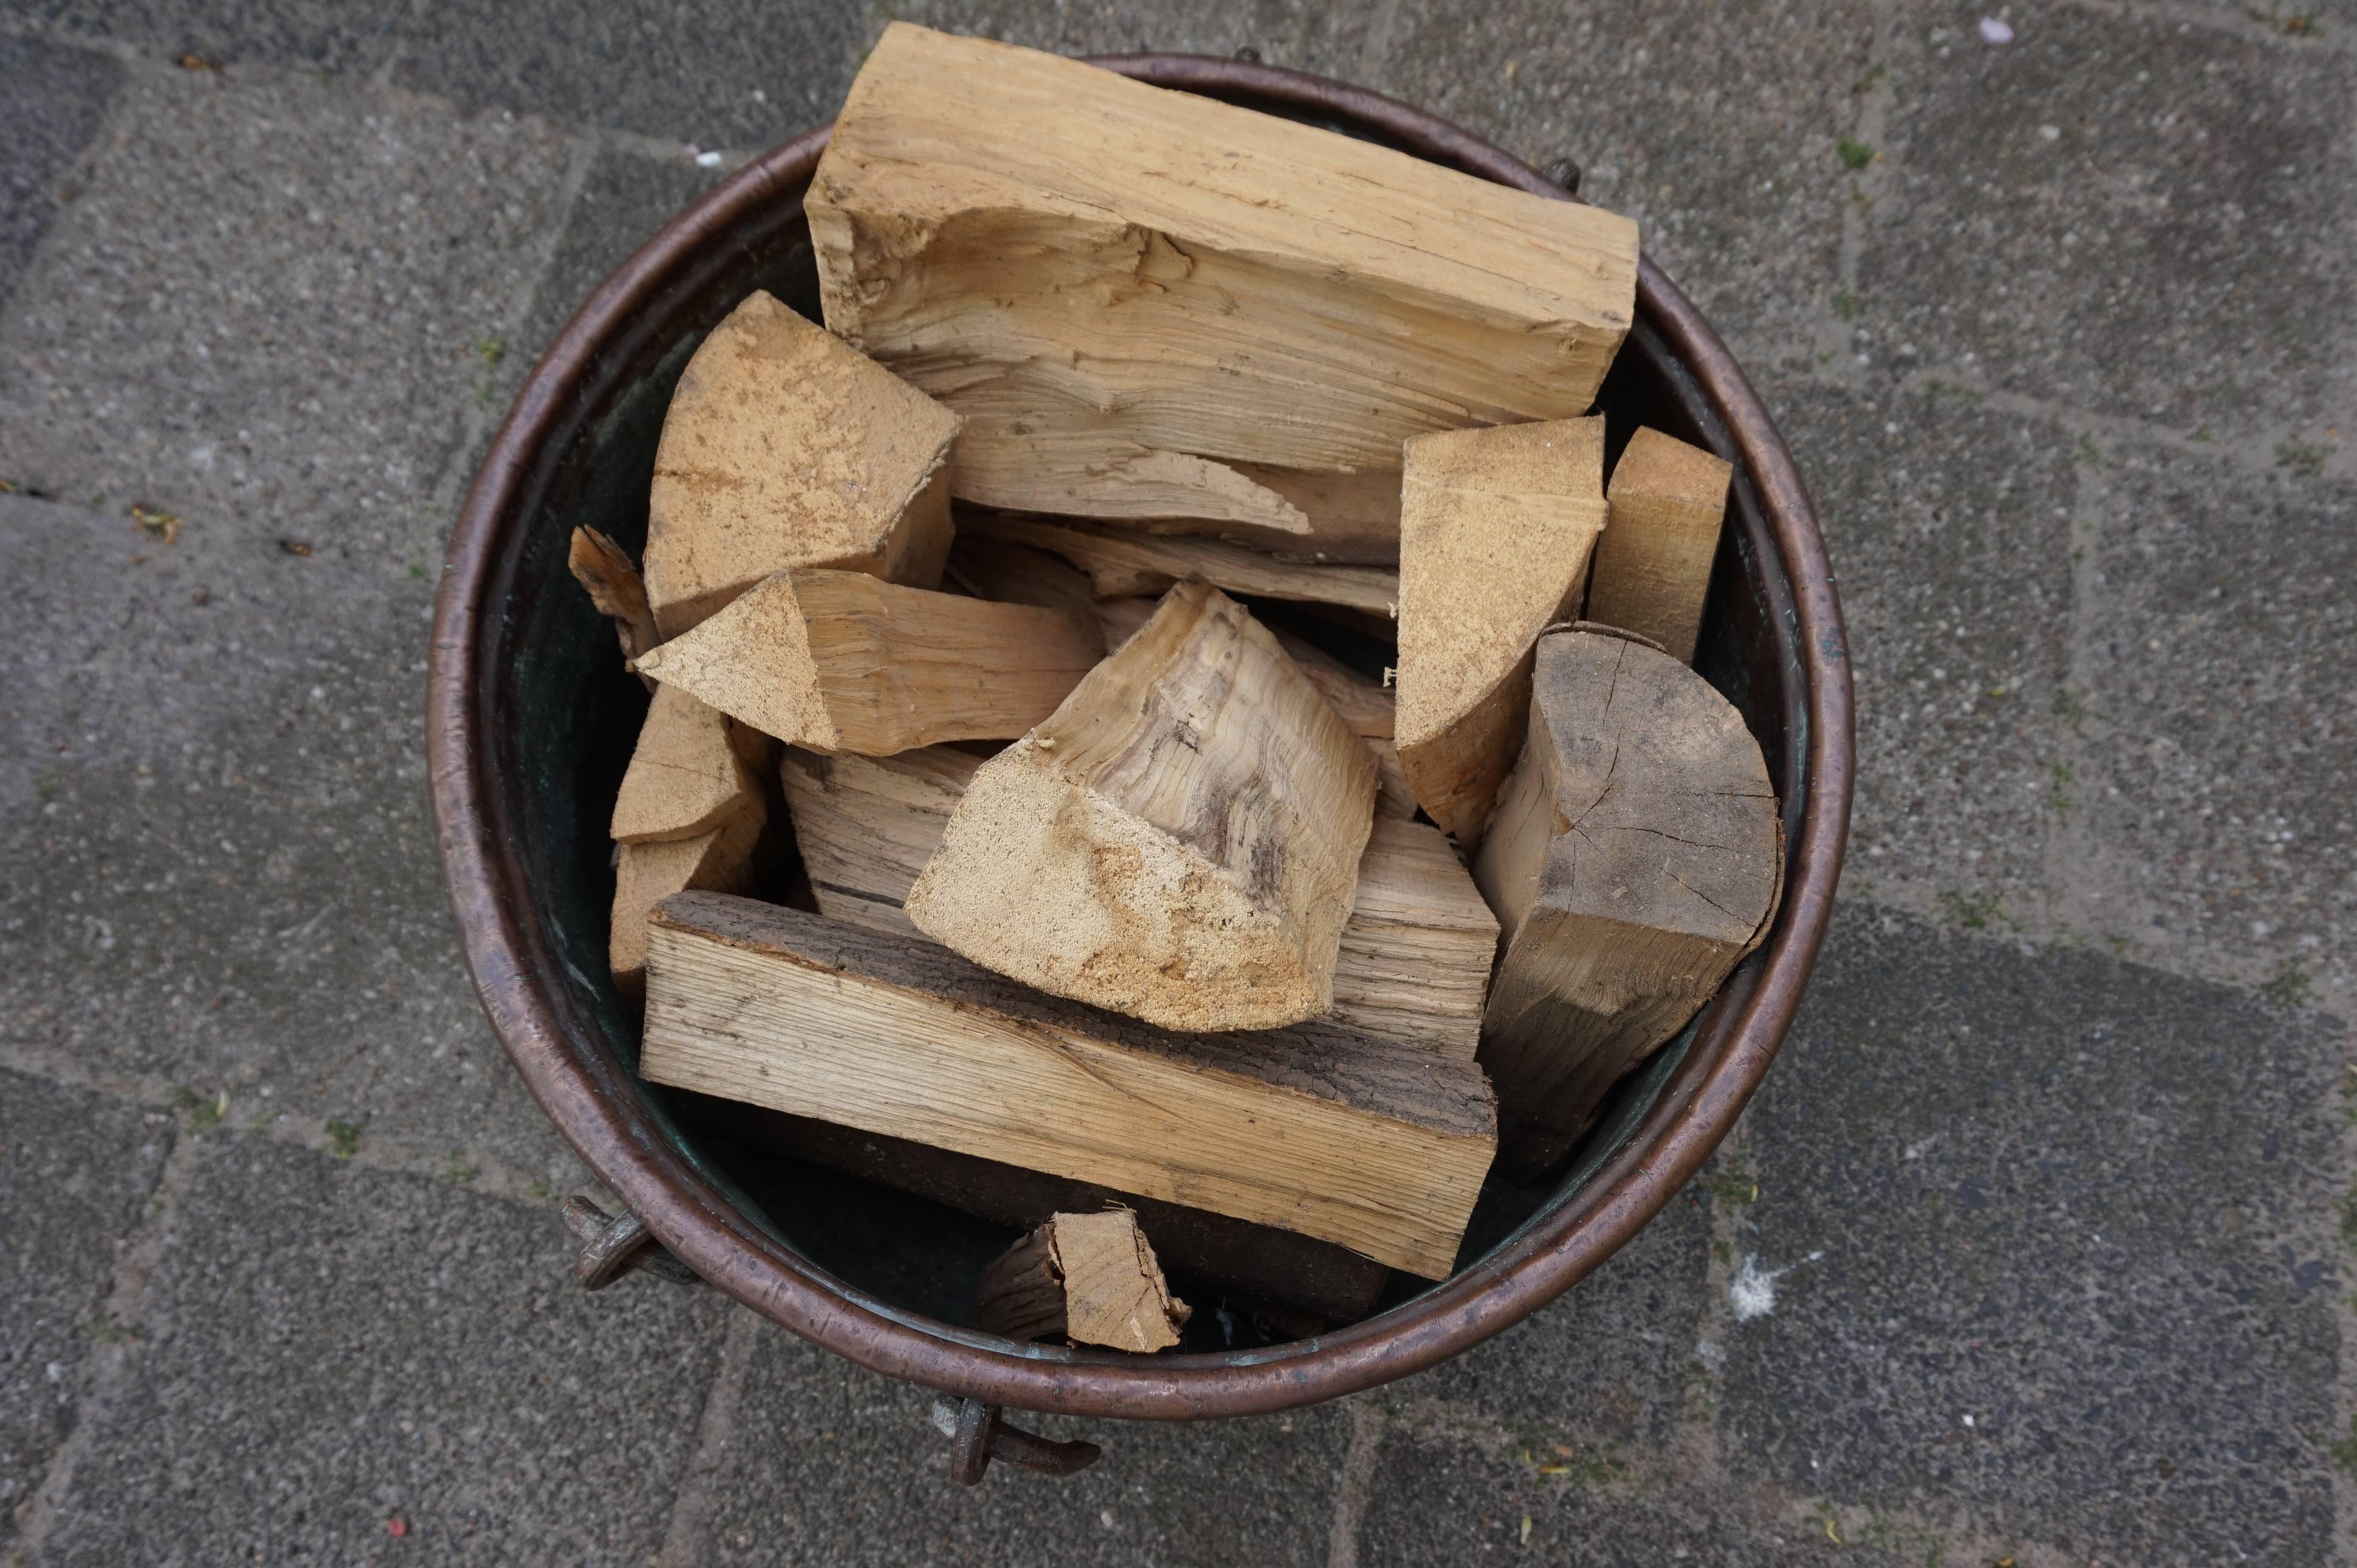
[{"x": 1996, "y": 32}]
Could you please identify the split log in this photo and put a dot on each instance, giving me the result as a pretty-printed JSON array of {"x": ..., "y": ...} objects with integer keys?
[
  {"x": 686, "y": 775},
  {"x": 1415, "y": 955},
  {"x": 843, "y": 661},
  {"x": 1653, "y": 565},
  {"x": 1125, "y": 561},
  {"x": 1378, "y": 1147},
  {"x": 785, "y": 446},
  {"x": 1179, "y": 840},
  {"x": 1495, "y": 530},
  {"x": 1086, "y": 1279},
  {"x": 646, "y": 874},
  {"x": 1129, "y": 291},
  {"x": 614, "y": 586},
  {"x": 1254, "y": 1267},
  {"x": 1635, "y": 857}
]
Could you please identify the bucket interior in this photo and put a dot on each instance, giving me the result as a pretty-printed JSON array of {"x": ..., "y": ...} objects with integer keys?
[{"x": 564, "y": 715}]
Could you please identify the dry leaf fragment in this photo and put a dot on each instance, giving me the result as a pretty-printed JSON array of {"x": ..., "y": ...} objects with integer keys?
[{"x": 153, "y": 520}]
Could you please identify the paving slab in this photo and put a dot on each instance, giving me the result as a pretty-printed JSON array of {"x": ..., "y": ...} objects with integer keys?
[
  {"x": 718, "y": 73},
  {"x": 2049, "y": 1240},
  {"x": 329, "y": 1349},
  {"x": 625, "y": 198},
  {"x": 2219, "y": 666},
  {"x": 81, "y": 1167},
  {"x": 213, "y": 809},
  {"x": 830, "y": 1464},
  {"x": 273, "y": 304},
  {"x": 1950, "y": 527},
  {"x": 1324, "y": 40},
  {"x": 2121, "y": 212},
  {"x": 1714, "y": 128},
  {"x": 320, "y": 35},
  {"x": 1606, "y": 1365},
  {"x": 56, "y": 102},
  {"x": 1430, "y": 1501}
]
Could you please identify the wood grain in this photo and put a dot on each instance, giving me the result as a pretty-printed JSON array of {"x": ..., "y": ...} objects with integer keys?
[{"x": 1376, "y": 1146}]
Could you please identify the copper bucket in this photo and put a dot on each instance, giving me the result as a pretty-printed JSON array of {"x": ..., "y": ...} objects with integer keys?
[{"x": 529, "y": 721}]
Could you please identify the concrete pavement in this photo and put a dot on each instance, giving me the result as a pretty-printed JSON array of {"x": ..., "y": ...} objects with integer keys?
[{"x": 2033, "y": 1246}]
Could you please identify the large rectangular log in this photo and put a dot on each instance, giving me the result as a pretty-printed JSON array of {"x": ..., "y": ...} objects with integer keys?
[
  {"x": 1378, "y": 1147},
  {"x": 1129, "y": 292}
]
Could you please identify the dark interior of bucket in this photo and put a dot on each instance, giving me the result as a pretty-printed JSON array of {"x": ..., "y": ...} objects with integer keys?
[{"x": 569, "y": 714}]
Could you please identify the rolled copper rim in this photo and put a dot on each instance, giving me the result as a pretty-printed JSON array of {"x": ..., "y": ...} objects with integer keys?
[{"x": 598, "y": 1106}]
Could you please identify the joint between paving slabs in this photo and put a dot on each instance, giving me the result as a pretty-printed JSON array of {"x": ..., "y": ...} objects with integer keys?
[
  {"x": 688, "y": 1533},
  {"x": 196, "y": 1115},
  {"x": 1369, "y": 1418},
  {"x": 119, "y": 1333},
  {"x": 2289, "y": 26}
]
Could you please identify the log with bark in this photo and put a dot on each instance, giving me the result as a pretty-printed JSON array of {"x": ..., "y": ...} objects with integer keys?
[
  {"x": 1129, "y": 292},
  {"x": 1653, "y": 565},
  {"x": 785, "y": 446},
  {"x": 1378, "y": 1147},
  {"x": 1084, "y": 1279},
  {"x": 1413, "y": 960},
  {"x": 1495, "y": 530},
  {"x": 1179, "y": 840},
  {"x": 1635, "y": 857},
  {"x": 843, "y": 661}
]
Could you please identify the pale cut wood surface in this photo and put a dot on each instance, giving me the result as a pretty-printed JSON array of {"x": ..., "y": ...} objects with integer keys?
[
  {"x": 686, "y": 776},
  {"x": 1496, "y": 527},
  {"x": 1653, "y": 565},
  {"x": 1089, "y": 1279},
  {"x": 614, "y": 586},
  {"x": 1412, "y": 966},
  {"x": 1179, "y": 840},
  {"x": 785, "y": 446},
  {"x": 1125, "y": 561},
  {"x": 1635, "y": 858},
  {"x": 1379, "y": 1147},
  {"x": 1129, "y": 291},
  {"x": 647, "y": 874},
  {"x": 843, "y": 661}
]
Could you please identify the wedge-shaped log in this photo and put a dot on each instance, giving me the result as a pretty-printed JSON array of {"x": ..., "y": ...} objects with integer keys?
[
  {"x": 1653, "y": 565},
  {"x": 785, "y": 446},
  {"x": 1128, "y": 291},
  {"x": 1378, "y": 1147},
  {"x": 1635, "y": 857},
  {"x": 1123, "y": 561},
  {"x": 1495, "y": 530},
  {"x": 1415, "y": 957},
  {"x": 647, "y": 874},
  {"x": 686, "y": 776},
  {"x": 843, "y": 661},
  {"x": 1178, "y": 841},
  {"x": 1089, "y": 1279}
]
